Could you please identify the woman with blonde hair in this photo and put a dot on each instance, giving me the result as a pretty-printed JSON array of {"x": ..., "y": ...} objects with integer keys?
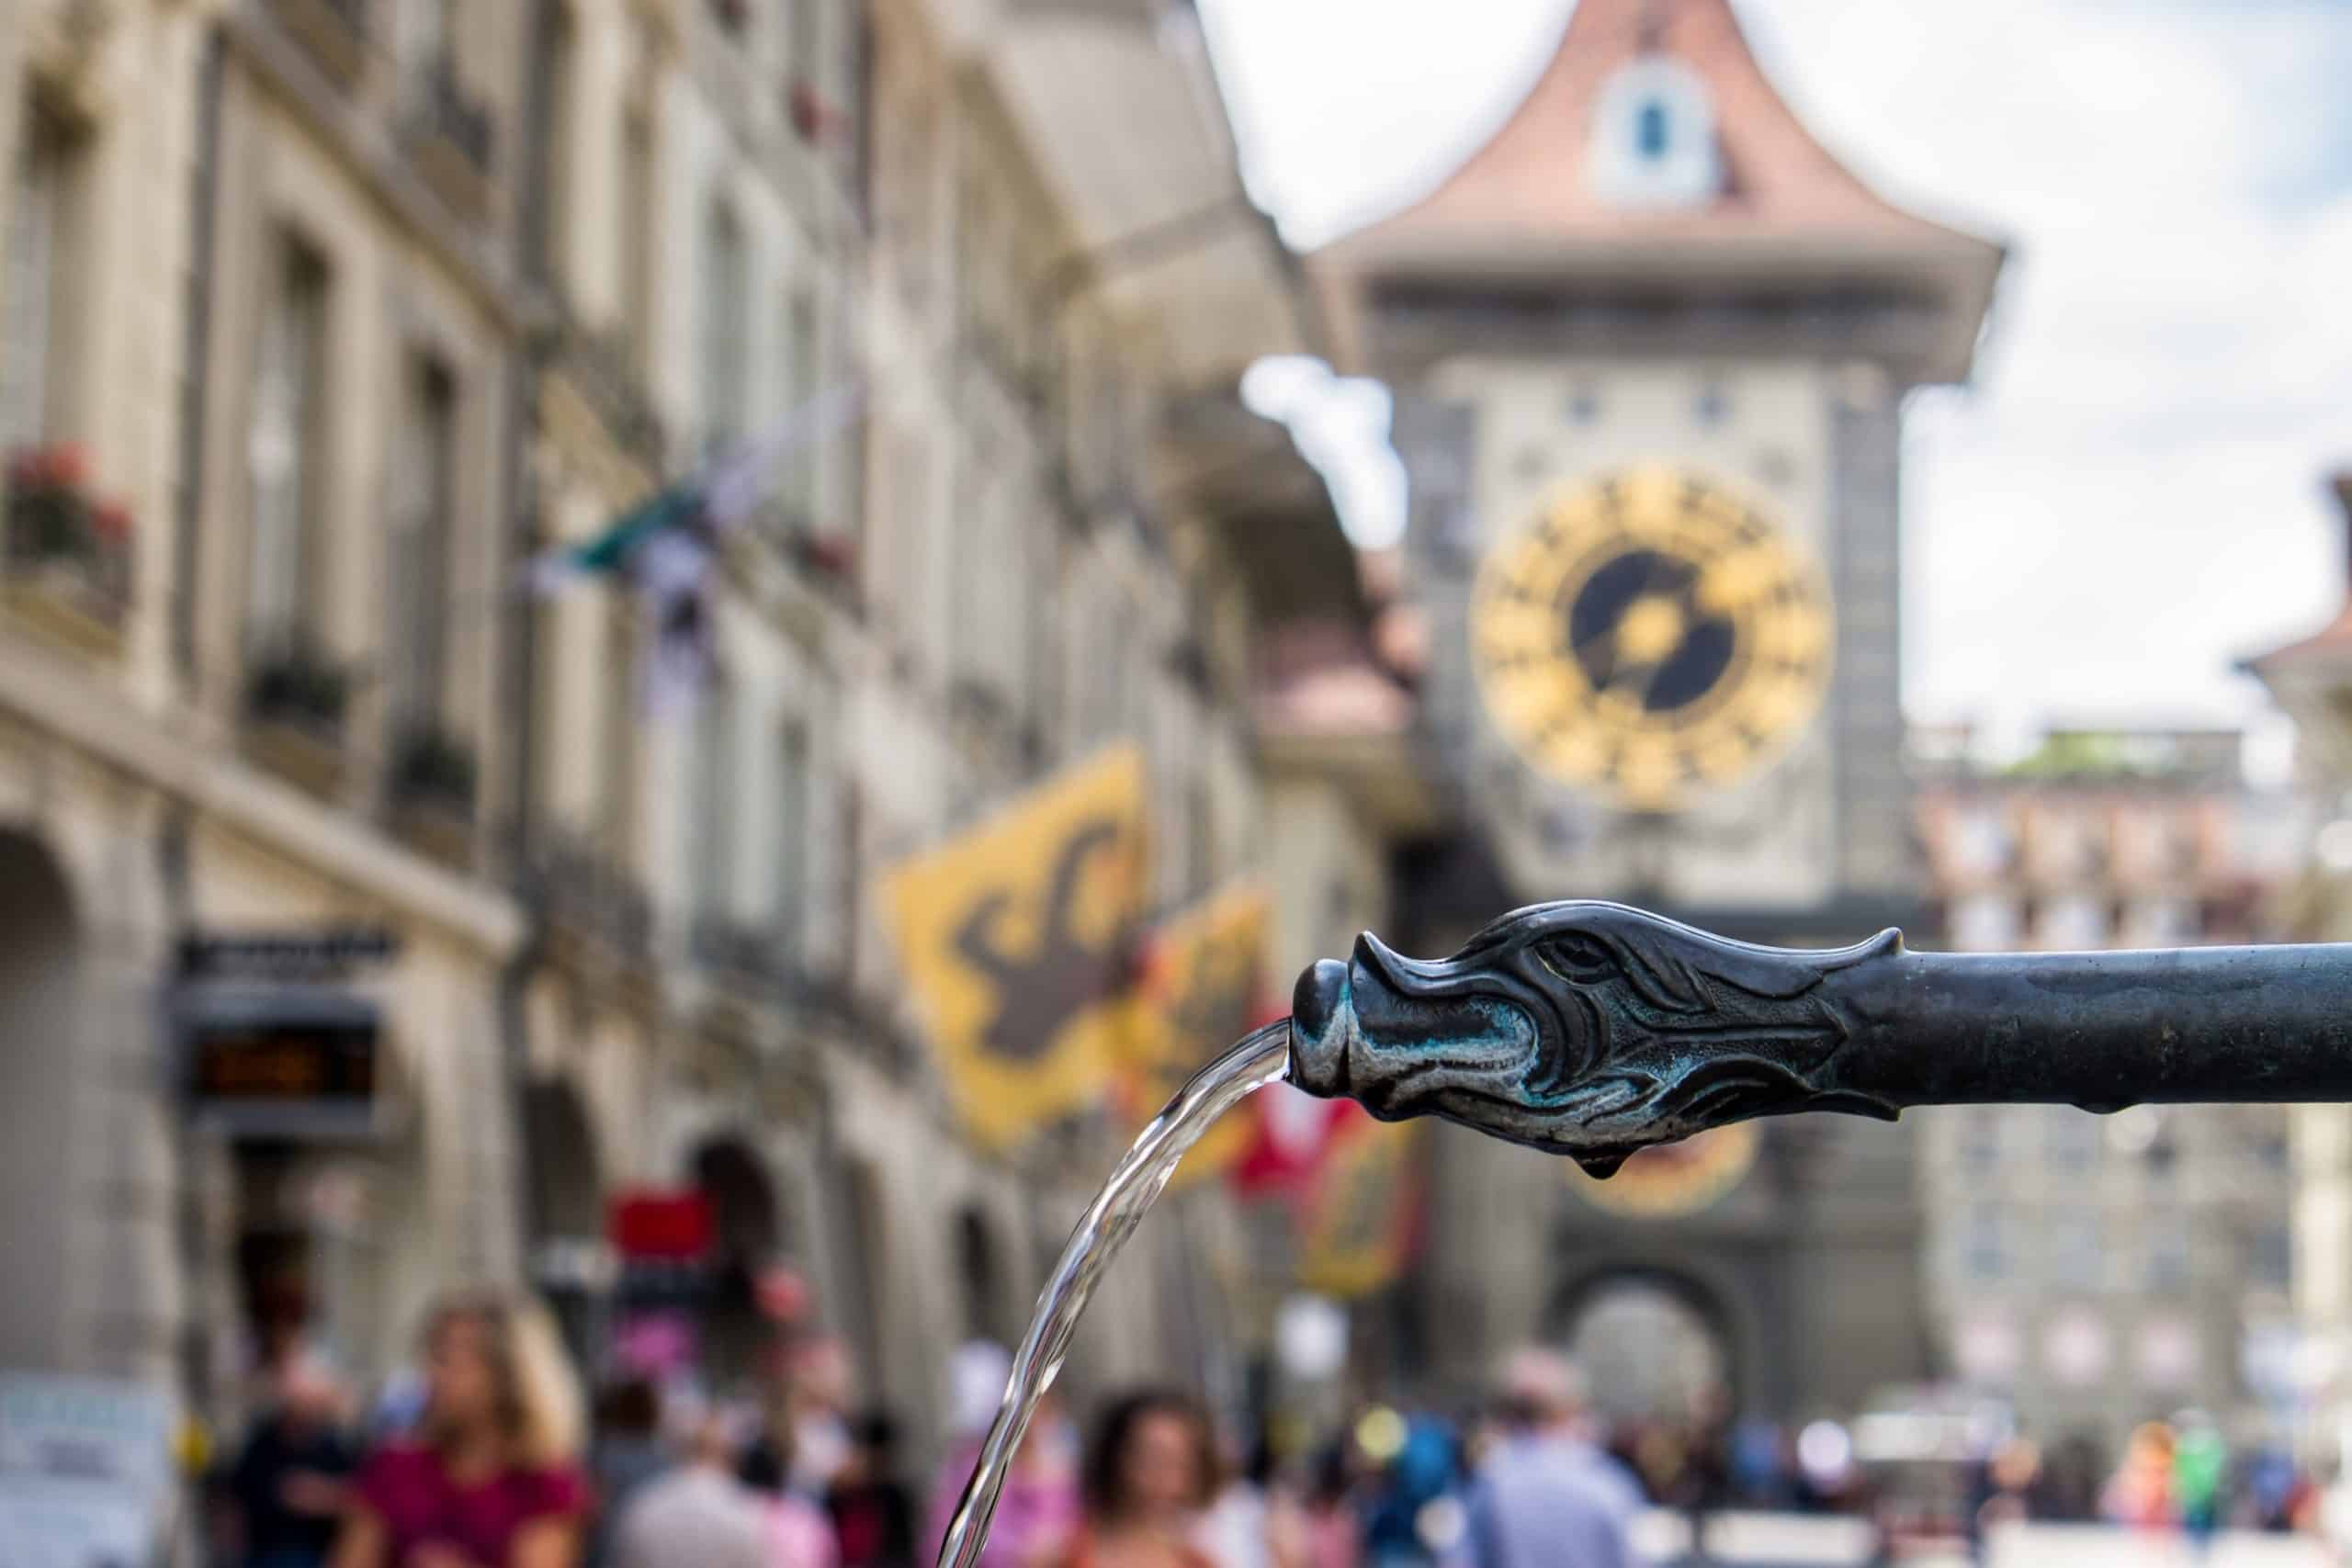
[{"x": 488, "y": 1480}]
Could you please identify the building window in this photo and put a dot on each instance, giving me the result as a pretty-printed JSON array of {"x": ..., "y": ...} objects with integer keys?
[
  {"x": 1652, "y": 126},
  {"x": 618, "y": 763},
  {"x": 560, "y": 200},
  {"x": 38, "y": 312},
  {"x": 2270, "y": 1259},
  {"x": 283, "y": 451},
  {"x": 1980, "y": 1142},
  {"x": 2073, "y": 1140},
  {"x": 712, "y": 802},
  {"x": 1653, "y": 142},
  {"x": 726, "y": 364},
  {"x": 2074, "y": 924},
  {"x": 1984, "y": 922},
  {"x": 804, "y": 358},
  {"x": 2164, "y": 922},
  {"x": 1984, "y": 1246},
  {"x": 635, "y": 239},
  {"x": 793, "y": 788},
  {"x": 425, "y": 497},
  {"x": 2167, "y": 1257},
  {"x": 425, "y": 30},
  {"x": 801, "y": 28},
  {"x": 1981, "y": 841},
  {"x": 2077, "y": 1253}
]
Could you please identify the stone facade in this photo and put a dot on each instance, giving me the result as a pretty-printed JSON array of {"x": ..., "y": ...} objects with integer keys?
[
  {"x": 2096, "y": 1272},
  {"x": 2310, "y": 679},
  {"x": 1587, "y": 293},
  {"x": 387, "y": 297}
]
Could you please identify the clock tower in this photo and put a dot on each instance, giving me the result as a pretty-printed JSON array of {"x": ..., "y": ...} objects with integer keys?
[{"x": 1649, "y": 346}]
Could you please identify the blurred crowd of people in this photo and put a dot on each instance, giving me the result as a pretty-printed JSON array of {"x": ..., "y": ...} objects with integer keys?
[{"x": 482, "y": 1460}]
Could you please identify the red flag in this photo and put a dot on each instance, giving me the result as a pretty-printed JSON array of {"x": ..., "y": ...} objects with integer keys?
[{"x": 1294, "y": 1131}]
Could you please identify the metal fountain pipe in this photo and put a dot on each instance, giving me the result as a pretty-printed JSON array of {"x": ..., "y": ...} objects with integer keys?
[{"x": 1593, "y": 1030}]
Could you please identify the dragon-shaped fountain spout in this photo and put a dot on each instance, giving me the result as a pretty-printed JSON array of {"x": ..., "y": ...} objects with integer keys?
[{"x": 1595, "y": 1030}]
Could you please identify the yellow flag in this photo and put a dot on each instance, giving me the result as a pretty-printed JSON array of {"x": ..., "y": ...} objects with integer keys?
[
  {"x": 1359, "y": 1223},
  {"x": 1017, "y": 939},
  {"x": 1202, "y": 994}
]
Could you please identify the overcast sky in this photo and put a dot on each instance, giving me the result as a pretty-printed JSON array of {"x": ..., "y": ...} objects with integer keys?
[{"x": 2130, "y": 496}]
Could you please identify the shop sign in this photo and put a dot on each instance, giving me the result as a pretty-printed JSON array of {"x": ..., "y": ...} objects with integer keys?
[
  {"x": 314, "y": 954},
  {"x": 84, "y": 1470},
  {"x": 660, "y": 1225},
  {"x": 281, "y": 1061}
]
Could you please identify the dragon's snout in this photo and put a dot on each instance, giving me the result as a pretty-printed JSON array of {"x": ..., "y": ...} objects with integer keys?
[{"x": 1358, "y": 1028}]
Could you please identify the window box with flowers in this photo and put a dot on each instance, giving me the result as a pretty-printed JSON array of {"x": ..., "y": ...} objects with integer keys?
[
  {"x": 296, "y": 698},
  {"x": 829, "y": 557},
  {"x": 814, "y": 118},
  {"x": 67, "y": 552},
  {"x": 431, "y": 791}
]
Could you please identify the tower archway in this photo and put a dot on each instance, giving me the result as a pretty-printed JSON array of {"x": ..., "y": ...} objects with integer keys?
[{"x": 1656, "y": 1344}]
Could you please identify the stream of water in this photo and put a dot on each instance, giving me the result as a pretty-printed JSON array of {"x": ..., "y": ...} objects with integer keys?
[{"x": 1261, "y": 1059}]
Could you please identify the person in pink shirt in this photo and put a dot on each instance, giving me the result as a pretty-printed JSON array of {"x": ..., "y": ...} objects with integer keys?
[
  {"x": 1038, "y": 1514},
  {"x": 489, "y": 1482}
]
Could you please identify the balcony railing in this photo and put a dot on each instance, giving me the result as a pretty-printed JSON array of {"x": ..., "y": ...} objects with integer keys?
[
  {"x": 297, "y": 697},
  {"x": 334, "y": 31},
  {"x": 600, "y": 367},
  {"x": 453, "y": 133},
  {"x": 587, "y": 897},
  {"x": 67, "y": 554}
]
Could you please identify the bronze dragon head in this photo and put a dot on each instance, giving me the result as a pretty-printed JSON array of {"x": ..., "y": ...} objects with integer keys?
[{"x": 1587, "y": 1028}]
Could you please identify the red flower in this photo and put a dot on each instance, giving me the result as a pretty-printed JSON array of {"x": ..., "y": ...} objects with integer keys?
[
  {"x": 832, "y": 554},
  {"x": 25, "y": 467},
  {"x": 68, "y": 464},
  {"x": 812, "y": 117},
  {"x": 111, "y": 521}
]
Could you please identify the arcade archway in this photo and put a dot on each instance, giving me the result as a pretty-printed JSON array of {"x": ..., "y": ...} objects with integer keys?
[
  {"x": 567, "y": 1199},
  {"x": 748, "y": 1237},
  {"x": 39, "y": 965},
  {"x": 979, "y": 1275}
]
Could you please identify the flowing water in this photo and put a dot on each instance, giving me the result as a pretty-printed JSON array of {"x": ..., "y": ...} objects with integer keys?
[{"x": 1260, "y": 1059}]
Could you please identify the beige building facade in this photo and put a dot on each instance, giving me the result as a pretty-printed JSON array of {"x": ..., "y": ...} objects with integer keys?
[
  {"x": 2096, "y": 1272},
  {"x": 2309, "y": 679},
  {"x": 345, "y": 309}
]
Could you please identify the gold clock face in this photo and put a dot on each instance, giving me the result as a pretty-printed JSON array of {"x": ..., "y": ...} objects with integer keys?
[{"x": 1650, "y": 636}]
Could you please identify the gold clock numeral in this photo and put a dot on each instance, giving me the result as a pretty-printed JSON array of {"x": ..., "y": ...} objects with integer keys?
[
  {"x": 1508, "y": 627},
  {"x": 1577, "y": 754},
  {"x": 1721, "y": 757},
  {"x": 1795, "y": 637},
  {"x": 1733, "y": 583},
  {"x": 1529, "y": 697}
]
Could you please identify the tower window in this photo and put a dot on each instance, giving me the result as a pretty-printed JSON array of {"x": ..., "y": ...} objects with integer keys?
[
  {"x": 1654, "y": 137},
  {"x": 1652, "y": 131}
]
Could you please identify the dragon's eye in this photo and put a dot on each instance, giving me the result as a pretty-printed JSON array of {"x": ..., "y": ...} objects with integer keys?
[{"x": 1576, "y": 956}]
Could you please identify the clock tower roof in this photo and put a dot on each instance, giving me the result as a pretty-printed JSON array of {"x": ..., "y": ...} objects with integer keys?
[{"x": 1653, "y": 156}]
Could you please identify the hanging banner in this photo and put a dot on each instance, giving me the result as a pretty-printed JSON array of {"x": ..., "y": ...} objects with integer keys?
[
  {"x": 1201, "y": 993},
  {"x": 1289, "y": 1129},
  {"x": 1018, "y": 941},
  {"x": 1358, "y": 1220}
]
